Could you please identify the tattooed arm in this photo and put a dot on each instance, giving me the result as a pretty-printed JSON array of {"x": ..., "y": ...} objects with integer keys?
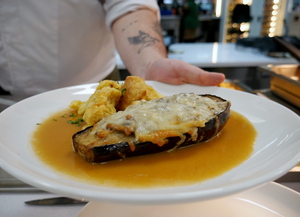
[{"x": 139, "y": 42}]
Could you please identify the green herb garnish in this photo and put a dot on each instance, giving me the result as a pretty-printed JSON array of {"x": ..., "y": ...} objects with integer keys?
[{"x": 78, "y": 121}]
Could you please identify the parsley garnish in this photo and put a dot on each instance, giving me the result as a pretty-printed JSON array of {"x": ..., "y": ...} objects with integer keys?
[{"x": 78, "y": 121}]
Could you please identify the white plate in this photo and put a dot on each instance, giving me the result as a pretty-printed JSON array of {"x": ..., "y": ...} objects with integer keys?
[
  {"x": 269, "y": 200},
  {"x": 276, "y": 151}
]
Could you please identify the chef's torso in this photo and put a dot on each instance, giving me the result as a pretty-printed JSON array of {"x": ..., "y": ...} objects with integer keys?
[{"x": 48, "y": 44}]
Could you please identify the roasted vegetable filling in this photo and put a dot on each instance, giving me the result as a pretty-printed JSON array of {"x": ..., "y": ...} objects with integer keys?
[
  {"x": 153, "y": 126},
  {"x": 156, "y": 120}
]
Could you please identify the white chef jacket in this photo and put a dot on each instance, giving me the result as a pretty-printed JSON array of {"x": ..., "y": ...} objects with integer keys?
[{"x": 48, "y": 44}]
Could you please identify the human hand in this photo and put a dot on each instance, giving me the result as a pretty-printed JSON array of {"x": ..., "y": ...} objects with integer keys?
[{"x": 179, "y": 72}]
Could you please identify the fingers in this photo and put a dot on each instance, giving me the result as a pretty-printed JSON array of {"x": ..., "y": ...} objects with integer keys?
[
  {"x": 194, "y": 75},
  {"x": 179, "y": 72}
]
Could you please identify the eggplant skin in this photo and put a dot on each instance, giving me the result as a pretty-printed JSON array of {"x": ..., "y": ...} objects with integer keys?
[{"x": 123, "y": 150}]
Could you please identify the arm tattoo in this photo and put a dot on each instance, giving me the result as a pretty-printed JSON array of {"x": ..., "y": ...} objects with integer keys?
[
  {"x": 130, "y": 24},
  {"x": 143, "y": 39}
]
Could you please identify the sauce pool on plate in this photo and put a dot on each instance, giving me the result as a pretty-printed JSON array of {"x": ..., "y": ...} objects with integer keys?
[{"x": 52, "y": 143}]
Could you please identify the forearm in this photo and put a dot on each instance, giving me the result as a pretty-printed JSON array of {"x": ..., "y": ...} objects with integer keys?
[
  {"x": 139, "y": 40},
  {"x": 140, "y": 43}
]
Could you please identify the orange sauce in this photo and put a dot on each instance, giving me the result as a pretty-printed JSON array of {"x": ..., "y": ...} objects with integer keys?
[{"x": 195, "y": 164}]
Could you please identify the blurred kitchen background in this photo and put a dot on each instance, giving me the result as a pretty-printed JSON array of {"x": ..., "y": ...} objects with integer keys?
[
  {"x": 237, "y": 37},
  {"x": 229, "y": 20}
]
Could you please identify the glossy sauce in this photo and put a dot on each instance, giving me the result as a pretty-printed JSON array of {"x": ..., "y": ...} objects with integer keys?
[{"x": 189, "y": 165}]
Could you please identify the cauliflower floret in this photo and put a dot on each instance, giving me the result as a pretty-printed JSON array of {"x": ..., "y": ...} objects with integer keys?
[
  {"x": 100, "y": 104},
  {"x": 108, "y": 83},
  {"x": 75, "y": 104},
  {"x": 135, "y": 88},
  {"x": 110, "y": 97}
]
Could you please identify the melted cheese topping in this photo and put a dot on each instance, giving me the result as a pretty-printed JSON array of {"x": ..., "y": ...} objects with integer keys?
[{"x": 159, "y": 119}]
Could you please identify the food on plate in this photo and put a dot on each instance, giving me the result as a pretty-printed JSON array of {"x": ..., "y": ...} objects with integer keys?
[
  {"x": 100, "y": 104},
  {"x": 111, "y": 96},
  {"x": 153, "y": 126},
  {"x": 135, "y": 88}
]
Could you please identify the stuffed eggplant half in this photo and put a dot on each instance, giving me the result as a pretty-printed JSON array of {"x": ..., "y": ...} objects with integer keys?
[{"x": 153, "y": 126}]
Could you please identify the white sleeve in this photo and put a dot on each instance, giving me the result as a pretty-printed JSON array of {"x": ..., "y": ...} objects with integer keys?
[{"x": 117, "y": 8}]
